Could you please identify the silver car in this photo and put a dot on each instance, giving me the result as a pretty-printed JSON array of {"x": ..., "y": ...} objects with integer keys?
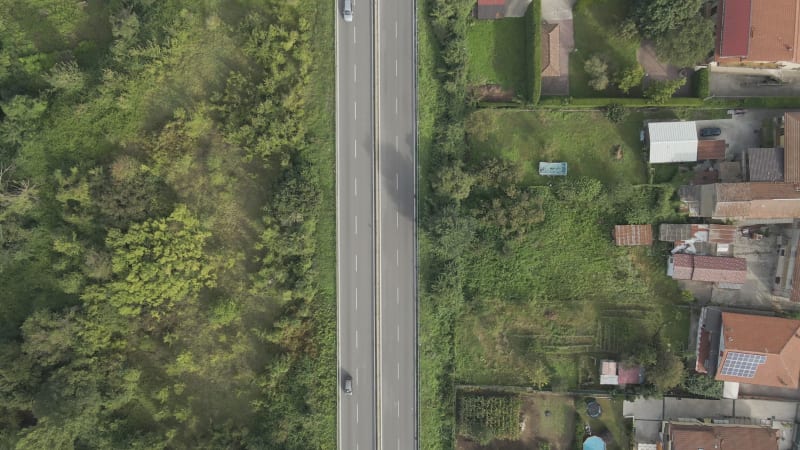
[
  {"x": 348, "y": 385},
  {"x": 347, "y": 12}
]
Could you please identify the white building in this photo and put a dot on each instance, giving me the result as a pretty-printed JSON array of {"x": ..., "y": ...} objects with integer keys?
[{"x": 672, "y": 142}]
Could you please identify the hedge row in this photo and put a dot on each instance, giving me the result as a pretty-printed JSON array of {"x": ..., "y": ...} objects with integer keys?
[
  {"x": 701, "y": 84},
  {"x": 533, "y": 27},
  {"x": 690, "y": 102}
]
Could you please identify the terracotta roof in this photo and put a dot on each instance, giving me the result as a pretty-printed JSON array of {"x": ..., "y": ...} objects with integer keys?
[
  {"x": 630, "y": 374},
  {"x": 683, "y": 266},
  {"x": 775, "y": 338},
  {"x": 720, "y": 269},
  {"x": 765, "y": 164},
  {"x": 722, "y": 234},
  {"x": 773, "y": 31},
  {"x": 550, "y": 50},
  {"x": 633, "y": 234},
  {"x": 684, "y": 436},
  {"x": 791, "y": 153},
  {"x": 710, "y": 149},
  {"x": 735, "y": 25},
  {"x": 745, "y": 200}
]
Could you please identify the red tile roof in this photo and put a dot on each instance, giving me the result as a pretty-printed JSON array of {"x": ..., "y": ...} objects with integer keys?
[
  {"x": 703, "y": 352},
  {"x": 633, "y": 234},
  {"x": 795, "y": 297},
  {"x": 630, "y": 374},
  {"x": 722, "y": 234},
  {"x": 776, "y": 338},
  {"x": 686, "y": 436},
  {"x": 735, "y": 34},
  {"x": 710, "y": 149},
  {"x": 683, "y": 266},
  {"x": 791, "y": 152},
  {"x": 720, "y": 269}
]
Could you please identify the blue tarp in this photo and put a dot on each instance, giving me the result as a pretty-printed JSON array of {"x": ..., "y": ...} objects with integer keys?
[
  {"x": 552, "y": 169},
  {"x": 594, "y": 443}
]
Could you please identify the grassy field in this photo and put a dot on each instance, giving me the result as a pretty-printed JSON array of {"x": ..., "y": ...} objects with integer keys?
[
  {"x": 596, "y": 23},
  {"x": 541, "y": 305},
  {"x": 496, "y": 50},
  {"x": 585, "y": 140}
]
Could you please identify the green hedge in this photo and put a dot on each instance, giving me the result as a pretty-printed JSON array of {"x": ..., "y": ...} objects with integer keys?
[
  {"x": 700, "y": 84},
  {"x": 533, "y": 18},
  {"x": 599, "y": 102}
]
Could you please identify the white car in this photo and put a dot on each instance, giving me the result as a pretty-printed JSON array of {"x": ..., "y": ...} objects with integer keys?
[{"x": 347, "y": 12}]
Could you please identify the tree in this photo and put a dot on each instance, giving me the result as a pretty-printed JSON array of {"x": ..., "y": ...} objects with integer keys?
[
  {"x": 657, "y": 17},
  {"x": 667, "y": 372},
  {"x": 630, "y": 78},
  {"x": 659, "y": 92},
  {"x": 703, "y": 385},
  {"x": 688, "y": 44},
  {"x": 597, "y": 69},
  {"x": 454, "y": 182}
]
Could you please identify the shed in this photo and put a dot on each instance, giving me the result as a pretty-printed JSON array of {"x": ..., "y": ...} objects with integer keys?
[
  {"x": 633, "y": 234},
  {"x": 608, "y": 372},
  {"x": 548, "y": 169},
  {"x": 490, "y": 9},
  {"x": 672, "y": 142},
  {"x": 550, "y": 50},
  {"x": 711, "y": 149}
]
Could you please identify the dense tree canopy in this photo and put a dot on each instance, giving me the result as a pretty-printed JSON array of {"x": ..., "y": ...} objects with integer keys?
[{"x": 165, "y": 168}]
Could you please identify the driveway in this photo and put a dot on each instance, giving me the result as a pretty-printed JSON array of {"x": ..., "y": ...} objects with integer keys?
[
  {"x": 556, "y": 10},
  {"x": 742, "y": 131},
  {"x": 741, "y": 82}
]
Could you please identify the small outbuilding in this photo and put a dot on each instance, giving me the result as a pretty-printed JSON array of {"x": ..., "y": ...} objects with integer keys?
[
  {"x": 630, "y": 235},
  {"x": 672, "y": 142},
  {"x": 553, "y": 169}
]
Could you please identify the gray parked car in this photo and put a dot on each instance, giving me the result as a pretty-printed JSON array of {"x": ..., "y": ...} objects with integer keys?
[{"x": 347, "y": 12}]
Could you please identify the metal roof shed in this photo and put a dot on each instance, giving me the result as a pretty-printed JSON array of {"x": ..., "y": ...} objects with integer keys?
[{"x": 672, "y": 142}]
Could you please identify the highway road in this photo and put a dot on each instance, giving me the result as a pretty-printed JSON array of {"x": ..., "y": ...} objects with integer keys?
[
  {"x": 355, "y": 210},
  {"x": 396, "y": 132}
]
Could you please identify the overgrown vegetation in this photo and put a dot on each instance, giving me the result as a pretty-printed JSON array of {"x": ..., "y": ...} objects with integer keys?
[
  {"x": 484, "y": 418},
  {"x": 682, "y": 36},
  {"x": 167, "y": 225}
]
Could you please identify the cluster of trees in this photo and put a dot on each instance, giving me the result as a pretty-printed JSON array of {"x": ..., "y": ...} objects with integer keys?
[
  {"x": 625, "y": 79},
  {"x": 681, "y": 33},
  {"x": 162, "y": 185}
]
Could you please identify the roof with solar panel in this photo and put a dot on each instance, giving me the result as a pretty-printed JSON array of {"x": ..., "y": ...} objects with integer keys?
[{"x": 759, "y": 350}]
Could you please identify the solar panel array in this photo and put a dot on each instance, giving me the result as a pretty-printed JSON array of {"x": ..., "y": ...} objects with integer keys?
[{"x": 742, "y": 364}]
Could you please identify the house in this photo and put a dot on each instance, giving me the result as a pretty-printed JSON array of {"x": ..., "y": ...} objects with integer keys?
[
  {"x": 698, "y": 239},
  {"x": 709, "y": 436},
  {"x": 672, "y": 142},
  {"x": 749, "y": 349},
  {"x": 760, "y": 201},
  {"x": 758, "y": 31},
  {"x": 763, "y": 164},
  {"x": 613, "y": 373},
  {"x": 791, "y": 147},
  {"x": 550, "y": 50},
  {"x": 633, "y": 234},
  {"x": 725, "y": 272},
  {"x": 490, "y": 9}
]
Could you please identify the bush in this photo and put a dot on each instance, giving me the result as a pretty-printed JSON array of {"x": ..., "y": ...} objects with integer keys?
[
  {"x": 597, "y": 69},
  {"x": 659, "y": 92},
  {"x": 701, "y": 84},
  {"x": 615, "y": 112},
  {"x": 534, "y": 30},
  {"x": 703, "y": 385},
  {"x": 630, "y": 78}
]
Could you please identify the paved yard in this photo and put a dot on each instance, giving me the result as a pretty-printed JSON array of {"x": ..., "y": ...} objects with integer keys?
[
  {"x": 649, "y": 413},
  {"x": 738, "y": 82},
  {"x": 556, "y": 10},
  {"x": 741, "y": 131}
]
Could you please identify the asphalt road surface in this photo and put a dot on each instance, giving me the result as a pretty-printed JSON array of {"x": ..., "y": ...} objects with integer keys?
[
  {"x": 355, "y": 209},
  {"x": 396, "y": 121}
]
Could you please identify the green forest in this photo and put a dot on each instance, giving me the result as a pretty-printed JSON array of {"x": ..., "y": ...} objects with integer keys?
[{"x": 167, "y": 224}]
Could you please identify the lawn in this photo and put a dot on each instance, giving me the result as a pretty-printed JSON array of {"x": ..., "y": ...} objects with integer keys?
[
  {"x": 596, "y": 23},
  {"x": 610, "y": 421},
  {"x": 496, "y": 53},
  {"x": 585, "y": 140}
]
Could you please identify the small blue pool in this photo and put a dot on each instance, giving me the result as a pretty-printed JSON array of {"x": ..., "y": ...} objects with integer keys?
[{"x": 594, "y": 443}]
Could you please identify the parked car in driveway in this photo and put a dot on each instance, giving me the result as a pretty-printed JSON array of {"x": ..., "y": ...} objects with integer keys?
[{"x": 710, "y": 132}]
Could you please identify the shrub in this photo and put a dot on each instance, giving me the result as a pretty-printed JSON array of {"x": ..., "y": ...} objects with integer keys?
[
  {"x": 701, "y": 84},
  {"x": 534, "y": 30},
  {"x": 630, "y": 78},
  {"x": 597, "y": 69},
  {"x": 659, "y": 92},
  {"x": 615, "y": 112}
]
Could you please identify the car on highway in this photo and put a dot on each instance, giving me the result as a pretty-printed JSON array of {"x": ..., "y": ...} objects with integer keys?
[
  {"x": 710, "y": 132},
  {"x": 348, "y": 385},
  {"x": 347, "y": 11}
]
